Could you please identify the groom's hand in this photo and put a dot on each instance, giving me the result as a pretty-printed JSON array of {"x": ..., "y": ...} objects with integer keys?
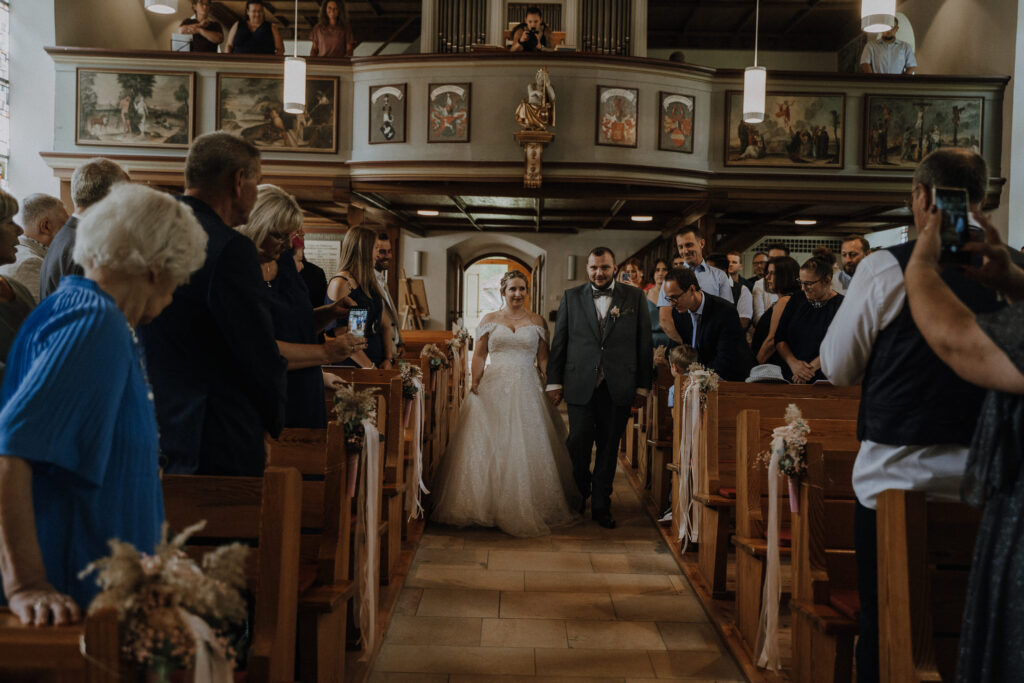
[{"x": 555, "y": 396}]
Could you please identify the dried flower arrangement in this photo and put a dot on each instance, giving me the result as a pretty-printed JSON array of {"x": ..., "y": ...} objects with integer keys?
[
  {"x": 437, "y": 358},
  {"x": 409, "y": 374},
  {"x": 706, "y": 380},
  {"x": 159, "y": 598},
  {"x": 459, "y": 340},
  {"x": 351, "y": 407},
  {"x": 792, "y": 439}
]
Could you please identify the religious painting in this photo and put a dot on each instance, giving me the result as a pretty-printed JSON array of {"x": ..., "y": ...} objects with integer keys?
[
  {"x": 387, "y": 113},
  {"x": 617, "y": 116},
  {"x": 448, "y": 107},
  {"x": 799, "y": 130},
  {"x": 253, "y": 108},
  {"x": 135, "y": 108},
  {"x": 675, "y": 122},
  {"x": 900, "y": 131}
]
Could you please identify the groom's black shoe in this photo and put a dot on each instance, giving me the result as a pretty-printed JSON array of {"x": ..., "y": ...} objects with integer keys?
[{"x": 604, "y": 518}]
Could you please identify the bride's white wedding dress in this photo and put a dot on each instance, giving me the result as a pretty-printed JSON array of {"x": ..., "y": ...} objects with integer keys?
[{"x": 507, "y": 465}]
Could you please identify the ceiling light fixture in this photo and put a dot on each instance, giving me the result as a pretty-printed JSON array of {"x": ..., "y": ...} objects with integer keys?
[
  {"x": 641, "y": 218},
  {"x": 162, "y": 6},
  {"x": 755, "y": 80},
  {"x": 295, "y": 74},
  {"x": 428, "y": 212},
  {"x": 877, "y": 16},
  {"x": 805, "y": 221}
]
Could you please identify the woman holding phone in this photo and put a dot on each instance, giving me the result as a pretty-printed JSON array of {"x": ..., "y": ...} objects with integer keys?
[{"x": 356, "y": 281}]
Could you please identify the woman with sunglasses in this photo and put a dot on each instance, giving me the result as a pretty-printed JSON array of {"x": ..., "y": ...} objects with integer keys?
[{"x": 805, "y": 321}]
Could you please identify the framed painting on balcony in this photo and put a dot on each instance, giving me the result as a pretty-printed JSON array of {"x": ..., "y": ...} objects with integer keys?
[
  {"x": 253, "y": 107},
  {"x": 387, "y": 113},
  {"x": 800, "y": 130},
  {"x": 616, "y": 116},
  {"x": 116, "y": 107},
  {"x": 448, "y": 112},
  {"x": 900, "y": 131},
  {"x": 675, "y": 122}
]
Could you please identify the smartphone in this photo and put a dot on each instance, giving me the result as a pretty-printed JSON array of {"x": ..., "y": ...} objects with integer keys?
[
  {"x": 955, "y": 231},
  {"x": 357, "y": 322},
  {"x": 625, "y": 277}
]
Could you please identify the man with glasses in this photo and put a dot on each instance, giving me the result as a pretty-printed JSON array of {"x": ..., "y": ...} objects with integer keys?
[
  {"x": 690, "y": 244},
  {"x": 709, "y": 324},
  {"x": 916, "y": 417},
  {"x": 760, "y": 263}
]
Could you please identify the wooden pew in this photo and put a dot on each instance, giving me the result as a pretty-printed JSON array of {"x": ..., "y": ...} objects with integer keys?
[
  {"x": 89, "y": 652},
  {"x": 924, "y": 558},
  {"x": 320, "y": 457},
  {"x": 824, "y": 571},
  {"x": 715, "y": 489},
  {"x": 658, "y": 433},
  {"x": 266, "y": 510},
  {"x": 426, "y": 434},
  {"x": 753, "y": 437}
]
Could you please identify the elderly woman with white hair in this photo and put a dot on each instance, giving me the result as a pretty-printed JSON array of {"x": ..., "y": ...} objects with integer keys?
[
  {"x": 275, "y": 218},
  {"x": 78, "y": 431}
]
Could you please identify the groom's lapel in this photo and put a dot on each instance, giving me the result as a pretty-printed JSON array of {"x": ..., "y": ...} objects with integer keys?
[
  {"x": 589, "y": 309},
  {"x": 618, "y": 298}
]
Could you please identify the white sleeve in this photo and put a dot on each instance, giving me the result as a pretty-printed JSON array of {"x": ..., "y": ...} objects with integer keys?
[
  {"x": 760, "y": 301},
  {"x": 865, "y": 55},
  {"x": 874, "y": 299},
  {"x": 745, "y": 304},
  {"x": 484, "y": 329},
  {"x": 662, "y": 301},
  {"x": 724, "y": 285},
  {"x": 911, "y": 59}
]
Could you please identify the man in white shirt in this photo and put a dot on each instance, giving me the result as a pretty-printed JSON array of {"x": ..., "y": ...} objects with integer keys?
[
  {"x": 888, "y": 55},
  {"x": 916, "y": 416},
  {"x": 381, "y": 263},
  {"x": 854, "y": 249},
  {"x": 690, "y": 245},
  {"x": 42, "y": 217},
  {"x": 740, "y": 290},
  {"x": 762, "y": 298}
]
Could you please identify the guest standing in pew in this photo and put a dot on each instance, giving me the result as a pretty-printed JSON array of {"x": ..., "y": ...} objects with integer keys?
[
  {"x": 987, "y": 351},
  {"x": 273, "y": 222},
  {"x": 42, "y": 217},
  {"x": 916, "y": 416},
  {"x": 805, "y": 321},
  {"x": 690, "y": 244},
  {"x": 854, "y": 249},
  {"x": 206, "y": 33},
  {"x": 658, "y": 336},
  {"x": 254, "y": 35},
  {"x": 356, "y": 280},
  {"x": 709, "y": 324},
  {"x": 218, "y": 376},
  {"x": 312, "y": 274},
  {"x": 331, "y": 36},
  {"x": 78, "y": 433},
  {"x": 381, "y": 262},
  {"x": 782, "y": 279},
  {"x": 16, "y": 301},
  {"x": 90, "y": 183},
  {"x": 762, "y": 298}
]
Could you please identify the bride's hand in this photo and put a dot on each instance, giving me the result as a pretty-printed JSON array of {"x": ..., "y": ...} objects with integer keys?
[{"x": 475, "y": 389}]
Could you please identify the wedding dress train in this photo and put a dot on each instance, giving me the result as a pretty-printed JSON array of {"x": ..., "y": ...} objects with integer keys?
[{"x": 507, "y": 465}]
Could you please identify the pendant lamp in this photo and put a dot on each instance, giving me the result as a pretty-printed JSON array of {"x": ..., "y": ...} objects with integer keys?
[
  {"x": 162, "y": 6},
  {"x": 755, "y": 81},
  {"x": 877, "y": 16},
  {"x": 295, "y": 74}
]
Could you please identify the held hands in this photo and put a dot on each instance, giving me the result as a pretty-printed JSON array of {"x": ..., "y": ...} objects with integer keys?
[
  {"x": 555, "y": 396},
  {"x": 43, "y": 606},
  {"x": 802, "y": 372}
]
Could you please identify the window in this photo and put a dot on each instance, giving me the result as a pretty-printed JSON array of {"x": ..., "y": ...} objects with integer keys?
[{"x": 5, "y": 90}]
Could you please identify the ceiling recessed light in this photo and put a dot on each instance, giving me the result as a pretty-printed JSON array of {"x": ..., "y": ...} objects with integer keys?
[
  {"x": 640, "y": 218},
  {"x": 805, "y": 221},
  {"x": 427, "y": 212}
]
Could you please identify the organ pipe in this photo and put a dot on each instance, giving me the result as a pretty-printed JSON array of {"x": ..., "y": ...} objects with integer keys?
[{"x": 461, "y": 24}]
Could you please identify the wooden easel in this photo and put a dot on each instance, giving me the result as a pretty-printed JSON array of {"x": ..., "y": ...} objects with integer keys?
[{"x": 412, "y": 315}]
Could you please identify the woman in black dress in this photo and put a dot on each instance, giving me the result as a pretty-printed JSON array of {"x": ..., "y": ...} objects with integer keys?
[
  {"x": 254, "y": 35},
  {"x": 356, "y": 280},
  {"x": 805, "y": 321},
  {"x": 782, "y": 278},
  {"x": 987, "y": 351}
]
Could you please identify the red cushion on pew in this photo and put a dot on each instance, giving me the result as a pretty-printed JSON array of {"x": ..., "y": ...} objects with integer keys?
[
  {"x": 846, "y": 602},
  {"x": 786, "y": 537},
  {"x": 727, "y": 492}
]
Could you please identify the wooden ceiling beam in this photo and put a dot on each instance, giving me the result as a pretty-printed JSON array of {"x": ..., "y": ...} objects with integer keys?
[
  {"x": 801, "y": 15},
  {"x": 613, "y": 212},
  {"x": 382, "y": 205},
  {"x": 694, "y": 213},
  {"x": 540, "y": 211},
  {"x": 395, "y": 35},
  {"x": 458, "y": 202}
]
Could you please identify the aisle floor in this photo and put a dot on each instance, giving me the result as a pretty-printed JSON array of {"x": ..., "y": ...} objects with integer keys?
[{"x": 583, "y": 604}]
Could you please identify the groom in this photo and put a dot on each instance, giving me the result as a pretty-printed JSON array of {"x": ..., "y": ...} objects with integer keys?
[{"x": 601, "y": 362}]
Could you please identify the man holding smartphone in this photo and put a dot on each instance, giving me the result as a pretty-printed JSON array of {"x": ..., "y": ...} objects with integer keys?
[{"x": 916, "y": 416}]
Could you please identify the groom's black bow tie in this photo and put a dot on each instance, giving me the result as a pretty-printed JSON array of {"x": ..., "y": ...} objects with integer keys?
[{"x": 598, "y": 293}]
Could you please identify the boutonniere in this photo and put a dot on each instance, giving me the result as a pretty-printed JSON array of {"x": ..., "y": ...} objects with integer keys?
[{"x": 614, "y": 312}]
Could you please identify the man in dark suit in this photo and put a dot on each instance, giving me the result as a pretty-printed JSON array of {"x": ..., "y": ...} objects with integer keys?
[
  {"x": 710, "y": 325},
  {"x": 218, "y": 378},
  {"x": 601, "y": 361}
]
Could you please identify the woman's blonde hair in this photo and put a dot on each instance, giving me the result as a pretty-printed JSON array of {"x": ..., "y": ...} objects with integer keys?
[
  {"x": 512, "y": 275},
  {"x": 275, "y": 213},
  {"x": 357, "y": 259},
  {"x": 8, "y": 207}
]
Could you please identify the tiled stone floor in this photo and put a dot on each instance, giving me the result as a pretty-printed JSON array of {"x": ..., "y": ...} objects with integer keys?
[{"x": 583, "y": 604}]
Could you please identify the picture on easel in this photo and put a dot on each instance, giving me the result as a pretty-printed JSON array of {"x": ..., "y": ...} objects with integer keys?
[{"x": 412, "y": 302}]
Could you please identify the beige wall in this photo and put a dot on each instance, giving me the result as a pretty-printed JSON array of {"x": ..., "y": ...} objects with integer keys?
[
  {"x": 120, "y": 25},
  {"x": 739, "y": 59}
]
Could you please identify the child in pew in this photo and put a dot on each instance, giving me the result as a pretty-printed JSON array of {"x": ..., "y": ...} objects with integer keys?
[{"x": 679, "y": 360}]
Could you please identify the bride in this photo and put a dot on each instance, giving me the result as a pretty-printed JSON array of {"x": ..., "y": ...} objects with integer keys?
[{"x": 507, "y": 465}]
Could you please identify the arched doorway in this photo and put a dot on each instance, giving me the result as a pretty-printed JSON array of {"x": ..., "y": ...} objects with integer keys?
[{"x": 481, "y": 285}]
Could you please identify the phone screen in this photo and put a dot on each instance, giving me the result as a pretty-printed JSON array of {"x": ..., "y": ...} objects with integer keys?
[
  {"x": 953, "y": 203},
  {"x": 625, "y": 277},
  {"x": 357, "y": 322}
]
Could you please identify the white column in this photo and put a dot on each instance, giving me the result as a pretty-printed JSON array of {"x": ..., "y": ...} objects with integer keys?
[
  {"x": 496, "y": 22},
  {"x": 33, "y": 98},
  {"x": 1013, "y": 193},
  {"x": 571, "y": 22},
  {"x": 638, "y": 32},
  {"x": 428, "y": 28}
]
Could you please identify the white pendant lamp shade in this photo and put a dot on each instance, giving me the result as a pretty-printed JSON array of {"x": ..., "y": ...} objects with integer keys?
[
  {"x": 877, "y": 16},
  {"x": 755, "y": 80},
  {"x": 162, "y": 6},
  {"x": 294, "y": 85}
]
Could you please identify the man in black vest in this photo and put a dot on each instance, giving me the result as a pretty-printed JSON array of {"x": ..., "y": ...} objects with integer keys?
[
  {"x": 709, "y": 324},
  {"x": 916, "y": 416}
]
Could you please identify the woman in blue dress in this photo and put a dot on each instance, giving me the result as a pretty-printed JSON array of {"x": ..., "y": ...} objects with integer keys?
[{"x": 78, "y": 431}]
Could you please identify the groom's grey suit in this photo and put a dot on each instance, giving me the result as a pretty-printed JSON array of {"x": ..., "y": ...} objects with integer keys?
[{"x": 600, "y": 364}]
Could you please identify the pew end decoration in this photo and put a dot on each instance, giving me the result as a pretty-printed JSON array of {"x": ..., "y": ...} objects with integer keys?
[
  {"x": 788, "y": 453},
  {"x": 352, "y": 409},
  {"x": 437, "y": 358},
  {"x": 700, "y": 380},
  {"x": 174, "y": 612}
]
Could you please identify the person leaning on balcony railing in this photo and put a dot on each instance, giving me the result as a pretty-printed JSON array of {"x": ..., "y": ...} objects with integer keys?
[
  {"x": 532, "y": 35},
  {"x": 254, "y": 35},
  {"x": 331, "y": 36},
  {"x": 206, "y": 33},
  {"x": 888, "y": 55}
]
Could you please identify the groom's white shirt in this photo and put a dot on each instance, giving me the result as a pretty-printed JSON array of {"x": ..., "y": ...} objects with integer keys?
[{"x": 601, "y": 304}]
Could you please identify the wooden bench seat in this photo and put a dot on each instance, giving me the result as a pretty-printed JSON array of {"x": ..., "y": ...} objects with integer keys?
[{"x": 89, "y": 652}]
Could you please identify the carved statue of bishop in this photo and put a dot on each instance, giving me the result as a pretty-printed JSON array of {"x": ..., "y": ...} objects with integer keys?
[{"x": 537, "y": 111}]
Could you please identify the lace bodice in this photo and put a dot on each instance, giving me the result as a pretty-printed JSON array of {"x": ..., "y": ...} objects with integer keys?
[{"x": 506, "y": 346}]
